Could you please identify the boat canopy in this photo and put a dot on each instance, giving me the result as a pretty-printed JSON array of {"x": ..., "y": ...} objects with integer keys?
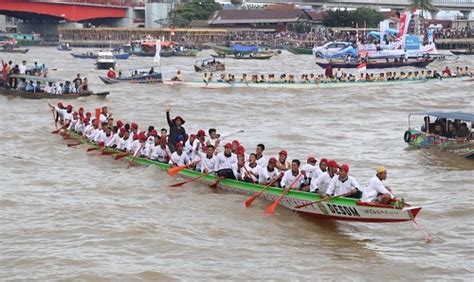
[
  {"x": 37, "y": 78},
  {"x": 244, "y": 49},
  {"x": 450, "y": 115}
]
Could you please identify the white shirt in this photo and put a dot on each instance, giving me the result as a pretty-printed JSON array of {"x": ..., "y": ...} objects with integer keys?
[
  {"x": 321, "y": 183},
  {"x": 288, "y": 178},
  {"x": 114, "y": 141},
  {"x": 309, "y": 169},
  {"x": 224, "y": 162},
  {"x": 99, "y": 136},
  {"x": 134, "y": 146},
  {"x": 179, "y": 160},
  {"x": 189, "y": 149},
  {"x": 104, "y": 118},
  {"x": 22, "y": 68},
  {"x": 256, "y": 174},
  {"x": 160, "y": 154},
  {"x": 263, "y": 162},
  {"x": 206, "y": 163},
  {"x": 337, "y": 187},
  {"x": 374, "y": 187},
  {"x": 63, "y": 114},
  {"x": 79, "y": 127},
  {"x": 272, "y": 174},
  {"x": 123, "y": 144}
]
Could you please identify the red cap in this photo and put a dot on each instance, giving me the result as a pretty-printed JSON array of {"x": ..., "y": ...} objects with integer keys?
[
  {"x": 236, "y": 142},
  {"x": 332, "y": 163},
  {"x": 283, "y": 152},
  {"x": 119, "y": 123},
  {"x": 179, "y": 145},
  {"x": 193, "y": 135},
  {"x": 142, "y": 136},
  {"x": 272, "y": 160},
  {"x": 153, "y": 132},
  {"x": 311, "y": 160},
  {"x": 323, "y": 160},
  {"x": 135, "y": 136},
  {"x": 134, "y": 125},
  {"x": 344, "y": 167},
  {"x": 228, "y": 146},
  {"x": 122, "y": 130},
  {"x": 86, "y": 120},
  {"x": 69, "y": 107},
  {"x": 201, "y": 133}
]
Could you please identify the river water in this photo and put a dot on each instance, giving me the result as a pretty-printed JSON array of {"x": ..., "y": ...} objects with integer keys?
[{"x": 67, "y": 214}]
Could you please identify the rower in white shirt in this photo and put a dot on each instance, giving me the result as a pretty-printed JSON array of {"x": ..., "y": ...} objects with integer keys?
[
  {"x": 343, "y": 184},
  {"x": 289, "y": 178},
  {"x": 226, "y": 163},
  {"x": 321, "y": 183},
  {"x": 124, "y": 141},
  {"x": 113, "y": 142},
  {"x": 252, "y": 172},
  {"x": 272, "y": 171},
  {"x": 179, "y": 157},
  {"x": 104, "y": 115},
  {"x": 22, "y": 67},
  {"x": 310, "y": 169},
  {"x": 81, "y": 125},
  {"x": 207, "y": 161},
  {"x": 134, "y": 145},
  {"x": 189, "y": 147},
  {"x": 376, "y": 192},
  {"x": 161, "y": 152}
]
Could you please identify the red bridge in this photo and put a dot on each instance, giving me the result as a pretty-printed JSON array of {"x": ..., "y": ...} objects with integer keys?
[{"x": 70, "y": 10}]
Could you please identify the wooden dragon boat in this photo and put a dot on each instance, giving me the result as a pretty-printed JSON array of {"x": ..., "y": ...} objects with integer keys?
[
  {"x": 339, "y": 208},
  {"x": 463, "y": 147},
  {"x": 142, "y": 78},
  {"x": 378, "y": 64},
  {"x": 217, "y": 84}
]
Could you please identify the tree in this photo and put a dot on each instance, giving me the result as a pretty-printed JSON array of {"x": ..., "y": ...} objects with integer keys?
[
  {"x": 423, "y": 5},
  {"x": 361, "y": 16},
  {"x": 194, "y": 10}
]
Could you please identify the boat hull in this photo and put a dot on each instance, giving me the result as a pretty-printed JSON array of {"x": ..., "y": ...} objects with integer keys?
[
  {"x": 30, "y": 95},
  {"x": 378, "y": 65},
  {"x": 105, "y": 65},
  {"x": 19, "y": 51},
  {"x": 213, "y": 68},
  {"x": 336, "y": 209},
  {"x": 154, "y": 78},
  {"x": 122, "y": 56},
  {"x": 300, "y": 51},
  {"x": 460, "y": 147}
]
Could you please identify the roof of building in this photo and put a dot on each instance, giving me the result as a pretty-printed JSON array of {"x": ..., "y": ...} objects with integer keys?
[
  {"x": 256, "y": 16},
  {"x": 316, "y": 16}
]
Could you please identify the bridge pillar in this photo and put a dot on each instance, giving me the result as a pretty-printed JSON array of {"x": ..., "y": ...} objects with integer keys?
[
  {"x": 49, "y": 30},
  {"x": 466, "y": 14},
  {"x": 433, "y": 14}
]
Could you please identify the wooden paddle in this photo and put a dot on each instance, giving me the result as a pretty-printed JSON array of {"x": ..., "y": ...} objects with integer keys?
[
  {"x": 172, "y": 171},
  {"x": 121, "y": 155},
  {"x": 255, "y": 196},
  {"x": 214, "y": 185},
  {"x": 190, "y": 180},
  {"x": 74, "y": 144},
  {"x": 135, "y": 155},
  {"x": 322, "y": 200},
  {"x": 271, "y": 208},
  {"x": 57, "y": 130}
]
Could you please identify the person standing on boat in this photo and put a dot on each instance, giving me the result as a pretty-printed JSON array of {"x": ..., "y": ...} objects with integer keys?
[
  {"x": 111, "y": 74},
  {"x": 344, "y": 184},
  {"x": 177, "y": 132},
  {"x": 328, "y": 72},
  {"x": 376, "y": 192},
  {"x": 290, "y": 176},
  {"x": 261, "y": 160},
  {"x": 22, "y": 67}
]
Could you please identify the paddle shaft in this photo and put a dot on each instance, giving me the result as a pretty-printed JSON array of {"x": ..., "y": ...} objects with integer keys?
[
  {"x": 270, "y": 209},
  {"x": 255, "y": 196},
  {"x": 323, "y": 199}
]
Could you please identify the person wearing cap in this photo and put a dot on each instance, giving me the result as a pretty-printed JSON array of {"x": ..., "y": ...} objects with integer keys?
[
  {"x": 290, "y": 175},
  {"x": 343, "y": 184},
  {"x": 177, "y": 131},
  {"x": 226, "y": 163},
  {"x": 213, "y": 139},
  {"x": 235, "y": 145},
  {"x": 150, "y": 141},
  {"x": 114, "y": 141},
  {"x": 80, "y": 126},
  {"x": 320, "y": 184},
  {"x": 252, "y": 172},
  {"x": 111, "y": 74},
  {"x": 199, "y": 144},
  {"x": 134, "y": 144},
  {"x": 376, "y": 192},
  {"x": 282, "y": 164},
  {"x": 261, "y": 160},
  {"x": 310, "y": 169},
  {"x": 206, "y": 162},
  {"x": 124, "y": 141},
  {"x": 189, "y": 147},
  {"x": 273, "y": 172},
  {"x": 323, "y": 166},
  {"x": 161, "y": 152},
  {"x": 93, "y": 129},
  {"x": 179, "y": 156}
]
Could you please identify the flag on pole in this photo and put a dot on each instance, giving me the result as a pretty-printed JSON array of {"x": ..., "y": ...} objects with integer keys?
[
  {"x": 157, "y": 57},
  {"x": 362, "y": 67}
]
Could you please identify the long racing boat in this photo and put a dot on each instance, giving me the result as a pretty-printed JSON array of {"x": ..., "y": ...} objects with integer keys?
[{"x": 339, "y": 208}]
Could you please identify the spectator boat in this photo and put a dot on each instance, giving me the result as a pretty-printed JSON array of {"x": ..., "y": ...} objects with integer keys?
[
  {"x": 461, "y": 146},
  {"x": 209, "y": 65}
]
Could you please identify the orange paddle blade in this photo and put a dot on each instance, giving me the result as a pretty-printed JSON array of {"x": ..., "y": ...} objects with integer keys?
[
  {"x": 92, "y": 149},
  {"x": 108, "y": 152},
  {"x": 175, "y": 170},
  {"x": 271, "y": 208},
  {"x": 251, "y": 199},
  {"x": 121, "y": 156}
]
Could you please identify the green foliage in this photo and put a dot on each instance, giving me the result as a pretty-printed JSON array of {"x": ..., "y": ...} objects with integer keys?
[
  {"x": 424, "y": 5},
  {"x": 194, "y": 10},
  {"x": 344, "y": 18}
]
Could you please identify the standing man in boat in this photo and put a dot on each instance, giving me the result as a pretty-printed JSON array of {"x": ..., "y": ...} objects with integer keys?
[
  {"x": 376, "y": 192},
  {"x": 177, "y": 132},
  {"x": 328, "y": 72},
  {"x": 344, "y": 184}
]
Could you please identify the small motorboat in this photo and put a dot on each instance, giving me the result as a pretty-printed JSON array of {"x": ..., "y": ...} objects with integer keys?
[
  {"x": 64, "y": 47},
  {"x": 105, "y": 60}
]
